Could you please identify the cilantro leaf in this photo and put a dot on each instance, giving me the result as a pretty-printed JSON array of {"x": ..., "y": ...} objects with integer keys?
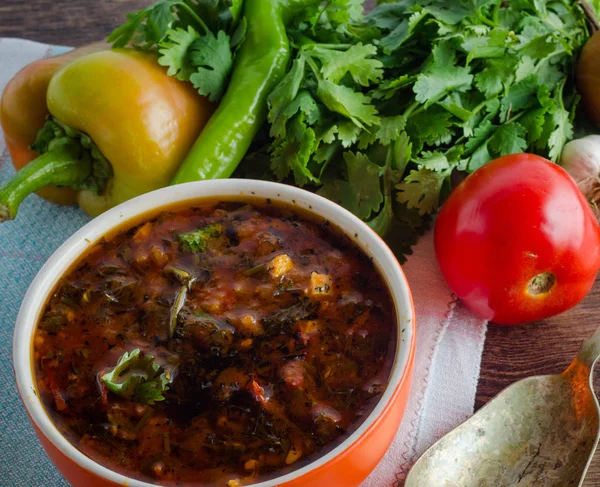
[
  {"x": 400, "y": 155},
  {"x": 361, "y": 193},
  {"x": 525, "y": 68},
  {"x": 477, "y": 146},
  {"x": 508, "y": 139},
  {"x": 197, "y": 241},
  {"x": 283, "y": 94},
  {"x": 533, "y": 122},
  {"x": 347, "y": 102},
  {"x": 404, "y": 30},
  {"x": 159, "y": 21},
  {"x": 421, "y": 190},
  {"x": 400, "y": 20},
  {"x": 145, "y": 28},
  {"x": 429, "y": 126},
  {"x": 496, "y": 76},
  {"x": 386, "y": 15},
  {"x": 454, "y": 156},
  {"x": 563, "y": 130},
  {"x": 480, "y": 135},
  {"x": 173, "y": 52},
  {"x": 434, "y": 161},
  {"x": 205, "y": 61},
  {"x": 347, "y": 133},
  {"x": 390, "y": 128},
  {"x": 138, "y": 377},
  {"x": 356, "y": 61},
  {"x": 212, "y": 59},
  {"x": 306, "y": 104},
  {"x": 441, "y": 76},
  {"x": 520, "y": 95},
  {"x": 493, "y": 45},
  {"x": 396, "y": 37},
  {"x": 389, "y": 87},
  {"x": 383, "y": 221},
  {"x": 342, "y": 11},
  {"x": 328, "y": 135},
  {"x": 480, "y": 156},
  {"x": 293, "y": 154},
  {"x": 539, "y": 47},
  {"x": 451, "y": 12},
  {"x": 324, "y": 154},
  {"x": 122, "y": 35}
]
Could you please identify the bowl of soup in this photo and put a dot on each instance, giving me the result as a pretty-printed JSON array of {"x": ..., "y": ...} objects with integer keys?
[{"x": 219, "y": 333}]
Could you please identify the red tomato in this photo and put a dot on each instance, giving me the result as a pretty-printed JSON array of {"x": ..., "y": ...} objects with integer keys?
[{"x": 517, "y": 241}]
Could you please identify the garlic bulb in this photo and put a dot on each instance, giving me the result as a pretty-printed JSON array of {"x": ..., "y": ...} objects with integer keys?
[{"x": 581, "y": 159}]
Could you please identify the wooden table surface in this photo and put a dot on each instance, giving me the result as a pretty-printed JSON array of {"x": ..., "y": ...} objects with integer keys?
[{"x": 510, "y": 353}]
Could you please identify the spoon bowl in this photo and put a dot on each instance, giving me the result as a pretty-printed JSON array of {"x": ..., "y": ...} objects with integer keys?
[{"x": 539, "y": 431}]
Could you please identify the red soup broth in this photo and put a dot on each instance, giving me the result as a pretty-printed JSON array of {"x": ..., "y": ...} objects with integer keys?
[{"x": 221, "y": 344}]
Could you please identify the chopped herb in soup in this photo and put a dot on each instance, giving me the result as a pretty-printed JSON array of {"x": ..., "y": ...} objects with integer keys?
[{"x": 215, "y": 345}]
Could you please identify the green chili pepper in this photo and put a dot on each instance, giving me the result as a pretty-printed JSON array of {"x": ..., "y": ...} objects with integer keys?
[{"x": 260, "y": 64}]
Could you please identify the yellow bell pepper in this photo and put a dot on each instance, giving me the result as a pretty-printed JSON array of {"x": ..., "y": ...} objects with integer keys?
[{"x": 119, "y": 127}]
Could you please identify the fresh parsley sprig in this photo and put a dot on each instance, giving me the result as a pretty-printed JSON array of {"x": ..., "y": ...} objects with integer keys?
[
  {"x": 194, "y": 39},
  {"x": 378, "y": 112},
  {"x": 138, "y": 377},
  {"x": 198, "y": 240},
  {"x": 204, "y": 60}
]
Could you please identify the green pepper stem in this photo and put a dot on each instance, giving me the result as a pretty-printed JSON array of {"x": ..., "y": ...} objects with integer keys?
[{"x": 64, "y": 165}]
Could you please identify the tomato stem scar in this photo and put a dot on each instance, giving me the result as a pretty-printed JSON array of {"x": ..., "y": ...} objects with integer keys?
[{"x": 541, "y": 284}]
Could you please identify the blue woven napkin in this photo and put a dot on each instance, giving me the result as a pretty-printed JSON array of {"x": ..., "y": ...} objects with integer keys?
[{"x": 25, "y": 244}]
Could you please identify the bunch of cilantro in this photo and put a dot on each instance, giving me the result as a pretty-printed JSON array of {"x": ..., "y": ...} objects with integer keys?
[
  {"x": 195, "y": 39},
  {"x": 380, "y": 112}
]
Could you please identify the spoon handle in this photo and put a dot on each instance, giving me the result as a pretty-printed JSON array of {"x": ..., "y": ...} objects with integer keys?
[
  {"x": 587, "y": 357},
  {"x": 590, "y": 350}
]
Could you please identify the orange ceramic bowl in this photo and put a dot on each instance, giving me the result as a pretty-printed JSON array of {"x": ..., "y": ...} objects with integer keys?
[{"x": 346, "y": 465}]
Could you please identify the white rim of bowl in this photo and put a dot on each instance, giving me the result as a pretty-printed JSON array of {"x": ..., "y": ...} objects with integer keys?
[{"x": 87, "y": 236}]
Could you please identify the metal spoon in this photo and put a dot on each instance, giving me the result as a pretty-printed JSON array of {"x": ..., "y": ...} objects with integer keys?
[{"x": 540, "y": 431}]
